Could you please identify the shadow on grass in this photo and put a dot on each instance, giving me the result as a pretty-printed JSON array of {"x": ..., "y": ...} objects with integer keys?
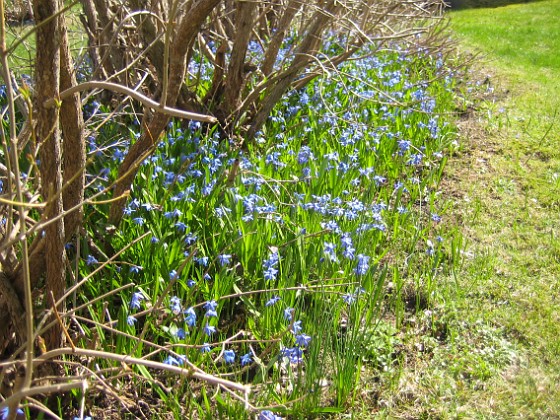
[{"x": 470, "y": 4}]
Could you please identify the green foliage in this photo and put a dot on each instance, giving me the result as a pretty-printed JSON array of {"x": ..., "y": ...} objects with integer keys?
[{"x": 282, "y": 247}]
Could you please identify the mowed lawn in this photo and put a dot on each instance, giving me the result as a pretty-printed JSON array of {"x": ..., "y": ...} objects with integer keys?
[{"x": 507, "y": 184}]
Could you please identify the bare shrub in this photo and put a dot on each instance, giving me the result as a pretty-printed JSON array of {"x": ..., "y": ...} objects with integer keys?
[{"x": 154, "y": 54}]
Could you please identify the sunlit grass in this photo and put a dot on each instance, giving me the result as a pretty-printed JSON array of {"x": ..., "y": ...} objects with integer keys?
[{"x": 506, "y": 197}]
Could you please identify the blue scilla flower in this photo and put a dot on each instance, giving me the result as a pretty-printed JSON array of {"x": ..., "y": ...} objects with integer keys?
[
  {"x": 191, "y": 283},
  {"x": 224, "y": 259},
  {"x": 331, "y": 225},
  {"x": 404, "y": 146},
  {"x": 222, "y": 211},
  {"x": 202, "y": 261},
  {"x": 175, "y": 361},
  {"x": 229, "y": 356},
  {"x": 131, "y": 320},
  {"x": 415, "y": 159},
  {"x": 205, "y": 348},
  {"x": 181, "y": 227},
  {"x": 288, "y": 313},
  {"x": 349, "y": 298},
  {"x": 136, "y": 300},
  {"x": 436, "y": 218},
  {"x": 5, "y": 413},
  {"x": 272, "y": 301},
  {"x": 294, "y": 354},
  {"x": 296, "y": 327},
  {"x": 190, "y": 239},
  {"x": 246, "y": 359},
  {"x": 190, "y": 317},
  {"x": 209, "y": 330},
  {"x": 211, "y": 305},
  {"x": 379, "y": 180},
  {"x": 211, "y": 313},
  {"x": 173, "y": 275},
  {"x": 268, "y": 415},
  {"x": 139, "y": 221},
  {"x": 303, "y": 340},
  {"x": 135, "y": 269},
  {"x": 91, "y": 260},
  {"x": 175, "y": 305},
  {"x": 272, "y": 260},
  {"x": 208, "y": 187},
  {"x": 305, "y": 155},
  {"x": 270, "y": 274},
  {"x": 181, "y": 334},
  {"x": 363, "y": 264},
  {"x": 330, "y": 251}
]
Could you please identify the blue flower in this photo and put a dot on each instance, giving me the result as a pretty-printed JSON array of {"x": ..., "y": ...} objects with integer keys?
[
  {"x": 246, "y": 359},
  {"x": 211, "y": 307},
  {"x": 171, "y": 214},
  {"x": 270, "y": 274},
  {"x": 296, "y": 327},
  {"x": 202, "y": 261},
  {"x": 224, "y": 259},
  {"x": 272, "y": 301},
  {"x": 363, "y": 265},
  {"x": 303, "y": 340},
  {"x": 135, "y": 269},
  {"x": 329, "y": 250},
  {"x": 91, "y": 260},
  {"x": 190, "y": 317},
  {"x": 175, "y": 361},
  {"x": 175, "y": 305},
  {"x": 181, "y": 334},
  {"x": 191, "y": 283},
  {"x": 131, "y": 320},
  {"x": 181, "y": 227},
  {"x": 205, "y": 348},
  {"x": 173, "y": 275},
  {"x": 288, "y": 313},
  {"x": 268, "y": 415},
  {"x": 5, "y": 413},
  {"x": 415, "y": 159},
  {"x": 190, "y": 239},
  {"x": 294, "y": 354},
  {"x": 349, "y": 299},
  {"x": 229, "y": 356},
  {"x": 137, "y": 298},
  {"x": 209, "y": 330},
  {"x": 304, "y": 155},
  {"x": 139, "y": 221},
  {"x": 211, "y": 304}
]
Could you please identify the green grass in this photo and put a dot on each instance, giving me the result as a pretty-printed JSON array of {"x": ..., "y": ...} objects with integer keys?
[{"x": 501, "y": 307}]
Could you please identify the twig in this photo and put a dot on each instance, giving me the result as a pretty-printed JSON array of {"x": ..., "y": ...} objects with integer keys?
[{"x": 174, "y": 112}]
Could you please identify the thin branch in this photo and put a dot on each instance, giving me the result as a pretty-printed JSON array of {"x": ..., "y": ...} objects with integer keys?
[{"x": 114, "y": 87}]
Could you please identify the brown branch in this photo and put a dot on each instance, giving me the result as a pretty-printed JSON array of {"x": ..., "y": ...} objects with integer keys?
[
  {"x": 182, "y": 42},
  {"x": 74, "y": 147},
  {"x": 47, "y": 74}
]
